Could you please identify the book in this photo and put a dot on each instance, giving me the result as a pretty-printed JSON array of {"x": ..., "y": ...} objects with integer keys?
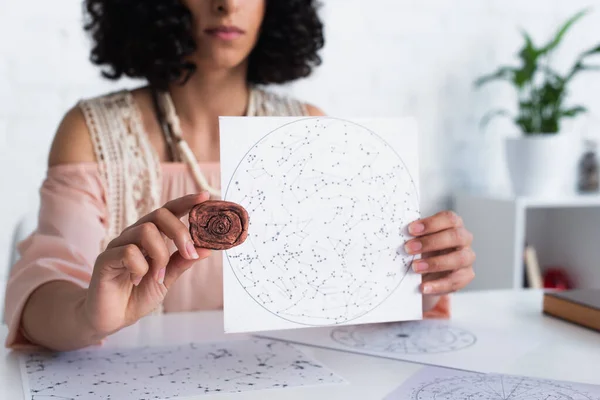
[
  {"x": 578, "y": 306},
  {"x": 532, "y": 268}
]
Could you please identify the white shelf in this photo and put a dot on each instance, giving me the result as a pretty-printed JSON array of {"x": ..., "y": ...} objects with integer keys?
[
  {"x": 572, "y": 201},
  {"x": 564, "y": 202},
  {"x": 563, "y": 230}
]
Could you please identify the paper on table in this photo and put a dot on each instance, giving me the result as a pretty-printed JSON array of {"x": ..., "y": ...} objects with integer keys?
[
  {"x": 433, "y": 342},
  {"x": 432, "y": 383},
  {"x": 329, "y": 202},
  {"x": 170, "y": 372}
]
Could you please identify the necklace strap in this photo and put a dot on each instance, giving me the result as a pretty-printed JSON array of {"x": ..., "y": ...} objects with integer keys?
[
  {"x": 164, "y": 126},
  {"x": 181, "y": 147}
]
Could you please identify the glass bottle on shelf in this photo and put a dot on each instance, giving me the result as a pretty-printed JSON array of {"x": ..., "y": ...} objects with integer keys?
[{"x": 589, "y": 179}]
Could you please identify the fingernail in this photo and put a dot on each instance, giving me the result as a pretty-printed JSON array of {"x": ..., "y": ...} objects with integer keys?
[
  {"x": 161, "y": 275},
  {"x": 416, "y": 228},
  {"x": 136, "y": 280},
  {"x": 191, "y": 250},
  {"x": 413, "y": 246},
  {"x": 420, "y": 266},
  {"x": 427, "y": 289}
]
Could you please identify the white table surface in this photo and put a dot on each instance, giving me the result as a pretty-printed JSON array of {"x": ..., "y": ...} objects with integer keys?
[{"x": 565, "y": 352}]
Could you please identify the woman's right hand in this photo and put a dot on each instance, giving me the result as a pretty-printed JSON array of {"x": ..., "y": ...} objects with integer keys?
[{"x": 132, "y": 276}]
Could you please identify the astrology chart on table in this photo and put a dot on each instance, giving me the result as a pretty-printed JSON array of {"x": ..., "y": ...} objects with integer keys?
[
  {"x": 499, "y": 387},
  {"x": 167, "y": 372},
  {"x": 433, "y": 383},
  {"x": 429, "y": 342},
  {"x": 404, "y": 338}
]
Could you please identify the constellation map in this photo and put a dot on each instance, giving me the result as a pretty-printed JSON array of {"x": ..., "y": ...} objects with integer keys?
[
  {"x": 171, "y": 372},
  {"x": 329, "y": 201},
  {"x": 498, "y": 387},
  {"x": 444, "y": 343},
  {"x": 441, "y": 384},
  {"x": 404, "y": 338}
]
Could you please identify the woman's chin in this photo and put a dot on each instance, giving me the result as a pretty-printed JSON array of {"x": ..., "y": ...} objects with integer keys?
[{"x": 221, "y": 62}]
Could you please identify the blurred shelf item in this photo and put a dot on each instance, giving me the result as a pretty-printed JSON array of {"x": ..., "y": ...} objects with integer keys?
[
  {"x": 557, "y": 278},
  {"x": 533, "y": 272}
]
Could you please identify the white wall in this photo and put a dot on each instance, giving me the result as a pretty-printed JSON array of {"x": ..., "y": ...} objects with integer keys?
[{"x": 382, "y": 58}]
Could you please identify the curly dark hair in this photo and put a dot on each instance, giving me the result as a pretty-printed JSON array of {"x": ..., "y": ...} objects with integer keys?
[{"x": 152, "y": 40}]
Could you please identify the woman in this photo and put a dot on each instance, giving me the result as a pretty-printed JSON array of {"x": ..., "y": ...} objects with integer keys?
[{"x": 98, "y": 261}]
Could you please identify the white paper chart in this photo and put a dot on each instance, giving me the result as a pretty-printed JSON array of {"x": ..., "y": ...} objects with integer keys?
[
  {"x": 329, "y": 202},
  {"x": 170, "y": 372},
  {"x": 432, "y": 342},
  {"x": 406, "y": 338},
  {"x": 433, "y": 383}
]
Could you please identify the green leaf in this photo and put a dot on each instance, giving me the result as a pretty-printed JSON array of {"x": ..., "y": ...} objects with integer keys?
[
  {"x": 580, "y": 66},
  {"x": 528, "y": 52},
  {"x": 551, "y": 94},
  {"x": 529, "y": 55},
  {"x": 549, "y": 125},
  {"x": 491, "y": 115},
  {"x": 551, "y": 74},
  {"x": 525, "y": 122},
  {"x": 528, "y": 108},
  {"x": 573, "y": 112},
  {"x": 504, "y": 73},
  {"x": 562, "y": 31},
  {"x": 591, "y": 51},
  {"x": 524, "y": 75},
  {"x": 590, "y": 67}
]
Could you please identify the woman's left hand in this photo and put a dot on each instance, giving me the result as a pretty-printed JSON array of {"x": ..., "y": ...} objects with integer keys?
[{"x": 446, "y": 255}]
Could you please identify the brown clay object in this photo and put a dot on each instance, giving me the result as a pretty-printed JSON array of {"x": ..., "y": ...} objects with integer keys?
[{"x": 218, "y": 225}]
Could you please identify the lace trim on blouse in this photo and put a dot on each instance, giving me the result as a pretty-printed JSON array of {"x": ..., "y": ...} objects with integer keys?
[{"x": 128, "y": 164}]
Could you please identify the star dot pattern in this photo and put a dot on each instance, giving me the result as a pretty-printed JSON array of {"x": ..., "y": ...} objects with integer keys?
[
  {"x": 498, "y": 387},
  {"x": 410, "y": 337},
  {"x": 170, "y": 372},
  {"x": 329, "y": 202}
]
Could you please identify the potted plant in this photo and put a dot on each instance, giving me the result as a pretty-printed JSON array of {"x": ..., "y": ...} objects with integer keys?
[{"x": 534, "y": 157}]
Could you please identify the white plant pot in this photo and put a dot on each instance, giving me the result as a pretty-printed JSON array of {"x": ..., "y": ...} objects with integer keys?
[{"x": 541, "y": 165}]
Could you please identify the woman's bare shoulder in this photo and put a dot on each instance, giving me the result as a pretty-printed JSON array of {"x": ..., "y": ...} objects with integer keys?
[
  {"x": 314, "y": 111},
  {"x": 72, "y": 142}
]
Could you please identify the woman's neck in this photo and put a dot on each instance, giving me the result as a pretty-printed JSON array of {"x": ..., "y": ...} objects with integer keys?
[{"x": 210, "y": 94}]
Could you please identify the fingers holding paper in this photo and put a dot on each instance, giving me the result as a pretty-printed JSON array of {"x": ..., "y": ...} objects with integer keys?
[{"x": 446, "y": 254}]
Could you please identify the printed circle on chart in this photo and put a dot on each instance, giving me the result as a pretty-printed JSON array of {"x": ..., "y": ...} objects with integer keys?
[
  {"x": 498, "y": 387},
  {"x": 404, "y": 337},
  {"x": 329, "y": 202}
]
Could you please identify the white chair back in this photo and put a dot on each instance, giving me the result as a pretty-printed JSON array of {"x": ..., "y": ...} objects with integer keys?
[{"x": 26, "y": 225}]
